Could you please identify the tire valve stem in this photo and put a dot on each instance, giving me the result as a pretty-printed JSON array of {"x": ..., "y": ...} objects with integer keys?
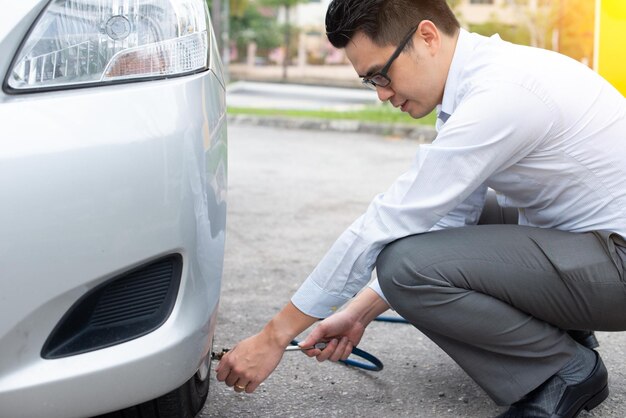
[{"x": 218, "y": 356}]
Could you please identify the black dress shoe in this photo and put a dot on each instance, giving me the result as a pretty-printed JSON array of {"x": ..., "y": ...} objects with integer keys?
[{"x": 556, "y": 399}]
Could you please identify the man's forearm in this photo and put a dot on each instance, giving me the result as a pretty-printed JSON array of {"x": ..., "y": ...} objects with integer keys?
[
  {"x": 287, "y": 324},
  {"x": 291, "y": 321}
]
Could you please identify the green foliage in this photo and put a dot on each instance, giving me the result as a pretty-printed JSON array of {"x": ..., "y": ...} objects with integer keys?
[
  {"x": 238, "y": 7},
  {"x": 453, "y": 3},
  {"x": 252, "y": 26},
  {"x": 235, "y": 7},
  {"x": 285, "y": 3}
]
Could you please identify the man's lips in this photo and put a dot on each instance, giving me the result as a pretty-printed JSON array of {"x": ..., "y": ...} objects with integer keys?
[{"x": 402, "y": 106}]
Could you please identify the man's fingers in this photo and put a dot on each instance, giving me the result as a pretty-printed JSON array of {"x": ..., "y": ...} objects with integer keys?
[
  {"x": 241, "y": 385},
  {"x": 222, "y": 370},
  {"x": 314, "y": 352},
  {"x": 251, "y": 387},
  {"x": 331, "y": 346},
  {"x": 341, "y": 347},
  {"x": 316, "y": 336},
  {"x": 226, "y": 373},
  {"x": 313, "y": 338},
  {"x": 347, "y": 351},
  {"x": 231, "y": 379}
]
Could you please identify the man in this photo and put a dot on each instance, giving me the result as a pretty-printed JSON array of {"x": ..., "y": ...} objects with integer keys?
[{"x": 549, "y": 136}]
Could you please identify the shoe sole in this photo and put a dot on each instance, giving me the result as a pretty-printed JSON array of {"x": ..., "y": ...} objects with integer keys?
[
  {"x": 589, "y": 404},
  {"x": 597, "y": 399}
]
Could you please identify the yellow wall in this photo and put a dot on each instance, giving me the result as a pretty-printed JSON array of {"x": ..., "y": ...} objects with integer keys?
[{"x": 610, "y": 45}]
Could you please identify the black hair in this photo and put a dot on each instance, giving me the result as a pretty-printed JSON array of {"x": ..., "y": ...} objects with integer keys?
[{"x": 385, "y": 22}]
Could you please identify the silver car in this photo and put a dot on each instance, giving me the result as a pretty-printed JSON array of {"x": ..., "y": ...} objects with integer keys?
[{"x": 112, "y": 206}]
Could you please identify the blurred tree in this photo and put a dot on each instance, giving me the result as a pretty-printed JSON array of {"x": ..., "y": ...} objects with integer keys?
[
  {"x": 235, "y": 7},
  {"x": 287, "y": 5},
  {"x": 221, "y": 12},
  {"x": 454, "y": 6},
  {"x": 574, "y": 21},
  {"x": 248, "y": 24},
  {"x": 570, "y": 22},
  {"x": 535, "y": 17},
  {"x": 238, "y": 7},
  {"x": 566, "y": 26},
  {"x": 453, "y": 3},
  {"x": 518, "y": 34}
]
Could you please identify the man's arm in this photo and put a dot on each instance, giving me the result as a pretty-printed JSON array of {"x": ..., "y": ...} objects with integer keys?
[{"x": 252, "y": 360}]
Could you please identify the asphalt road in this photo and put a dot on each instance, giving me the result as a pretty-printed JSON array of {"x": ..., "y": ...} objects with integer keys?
[{"x": 291, "y": 193}]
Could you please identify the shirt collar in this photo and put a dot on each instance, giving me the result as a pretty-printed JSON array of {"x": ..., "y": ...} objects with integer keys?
[{"x": 464, "y": 47}]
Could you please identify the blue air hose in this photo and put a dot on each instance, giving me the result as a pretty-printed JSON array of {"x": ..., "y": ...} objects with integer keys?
[{"x": 372, "y": 362}]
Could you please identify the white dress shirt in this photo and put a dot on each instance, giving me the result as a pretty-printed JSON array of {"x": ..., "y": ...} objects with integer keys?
[{"x": 544, "y": 131}]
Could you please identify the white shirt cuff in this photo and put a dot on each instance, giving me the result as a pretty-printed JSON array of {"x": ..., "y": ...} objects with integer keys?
[{"x": 315, "y": 302}]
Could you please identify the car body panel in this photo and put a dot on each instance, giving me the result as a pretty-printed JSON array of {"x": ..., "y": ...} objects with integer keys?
[{"x": 94, "y": 182}]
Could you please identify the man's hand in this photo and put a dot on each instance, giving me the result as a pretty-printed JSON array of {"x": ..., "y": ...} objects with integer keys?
[
  {"x": 249, "y": 363},
  {"x": 342, "y": 331},
  {"x": 252, "y": 360}
]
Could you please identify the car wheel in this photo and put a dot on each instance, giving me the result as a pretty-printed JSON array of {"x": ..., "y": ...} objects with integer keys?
[{"x": 183, "y": 402}]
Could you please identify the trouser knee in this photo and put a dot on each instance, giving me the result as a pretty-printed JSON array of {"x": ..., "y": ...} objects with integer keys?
[{"x": 396, "y": 266}]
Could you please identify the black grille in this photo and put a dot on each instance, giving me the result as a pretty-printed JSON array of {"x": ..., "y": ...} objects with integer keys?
[{"x": 123, "y": 308}]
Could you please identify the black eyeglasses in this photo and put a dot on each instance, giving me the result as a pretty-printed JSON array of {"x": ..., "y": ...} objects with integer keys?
[{"x": 380, "y": 78}]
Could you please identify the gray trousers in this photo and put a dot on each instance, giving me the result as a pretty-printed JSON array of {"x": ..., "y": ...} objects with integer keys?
[{"x": 497, "y": 298}]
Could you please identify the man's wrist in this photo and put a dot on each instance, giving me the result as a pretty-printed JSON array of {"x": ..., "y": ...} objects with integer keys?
[{"x": 367, "y": 306}]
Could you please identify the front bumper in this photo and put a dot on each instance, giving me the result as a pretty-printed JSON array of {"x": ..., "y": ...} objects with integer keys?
[{"x": 95, "y": 182}]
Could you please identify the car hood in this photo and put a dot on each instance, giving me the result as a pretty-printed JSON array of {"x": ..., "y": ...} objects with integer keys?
[{"x": 14, "y": 12}]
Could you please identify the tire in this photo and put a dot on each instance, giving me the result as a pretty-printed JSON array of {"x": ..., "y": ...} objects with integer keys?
[{"x": 185, "y": 401}]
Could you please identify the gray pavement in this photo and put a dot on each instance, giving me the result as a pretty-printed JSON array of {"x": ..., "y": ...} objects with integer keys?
[
  {"x": 291, "y": 193},
  {"x": 295, "y": 96}
]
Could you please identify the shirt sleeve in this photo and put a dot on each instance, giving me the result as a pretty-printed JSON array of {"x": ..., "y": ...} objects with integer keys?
[
  {"x": 467, "y": 213},
  {"x": 447, "y": 174}
]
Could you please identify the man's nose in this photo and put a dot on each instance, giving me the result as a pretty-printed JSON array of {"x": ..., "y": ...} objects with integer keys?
[{"x": 384, "y": 93}]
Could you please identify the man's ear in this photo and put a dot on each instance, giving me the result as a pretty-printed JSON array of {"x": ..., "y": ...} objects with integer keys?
[{"x": 430, "y": 35}]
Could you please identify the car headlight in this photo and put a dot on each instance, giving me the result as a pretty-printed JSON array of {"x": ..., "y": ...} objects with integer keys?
[{"x": 87, "y": 42}]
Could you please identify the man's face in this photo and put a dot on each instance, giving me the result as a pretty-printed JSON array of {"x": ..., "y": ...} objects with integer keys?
[{"x": 417, "y": 76}]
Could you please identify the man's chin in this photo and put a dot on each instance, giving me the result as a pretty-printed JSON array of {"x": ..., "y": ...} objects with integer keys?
[{"x": 417, "y": 115}]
